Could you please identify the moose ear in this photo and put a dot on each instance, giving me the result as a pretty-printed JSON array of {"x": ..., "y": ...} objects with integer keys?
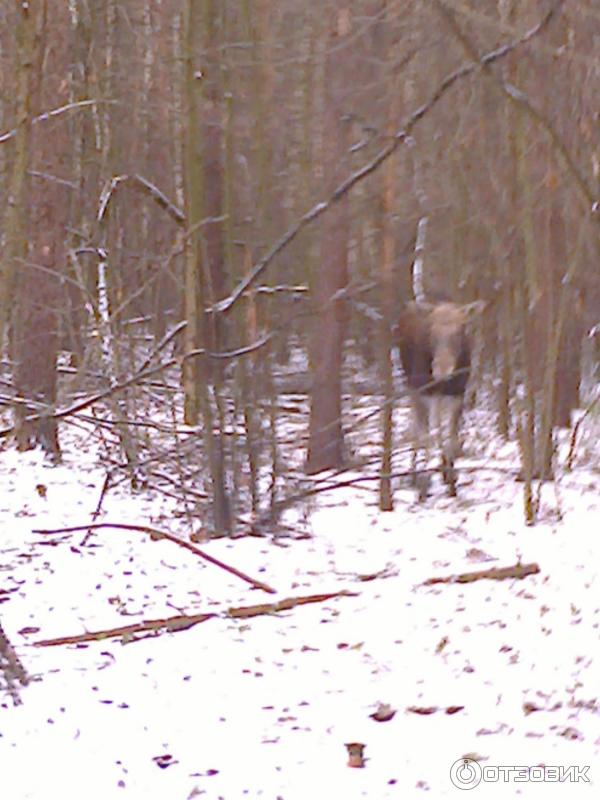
[{"x": 471, "y": 310}]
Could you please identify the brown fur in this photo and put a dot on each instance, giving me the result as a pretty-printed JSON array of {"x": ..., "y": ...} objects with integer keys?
[{"x": 436, "y": 357}]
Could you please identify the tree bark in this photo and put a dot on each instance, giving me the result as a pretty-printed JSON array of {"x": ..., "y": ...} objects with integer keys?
[
  {"x": 326, "y": 438},
  {"x": 15, "y": 239},
  {"x": 196, "y": 370}
]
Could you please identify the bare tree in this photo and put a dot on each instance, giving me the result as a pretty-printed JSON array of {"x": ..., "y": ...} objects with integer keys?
[
  {"x": 326, "y": 440},
  {"x": 15, "y": 248}
]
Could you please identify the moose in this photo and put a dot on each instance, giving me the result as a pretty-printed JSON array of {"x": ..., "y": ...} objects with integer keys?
[{"x": 435, "y": 352}]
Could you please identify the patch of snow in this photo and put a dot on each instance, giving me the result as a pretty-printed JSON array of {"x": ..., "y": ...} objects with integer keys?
[{"x": 263, "y": 707}]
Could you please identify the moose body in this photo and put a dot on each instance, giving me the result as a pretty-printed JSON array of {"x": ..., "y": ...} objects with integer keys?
[{"x": 436, "y": 357}]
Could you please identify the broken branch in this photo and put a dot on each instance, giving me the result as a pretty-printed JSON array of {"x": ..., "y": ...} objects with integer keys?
[
  {"x": 155, "y": 535},
  {"x": 182, "y": 622},
  {"x": 517, "y": 571},
  {"x": 244, "y": 612}
]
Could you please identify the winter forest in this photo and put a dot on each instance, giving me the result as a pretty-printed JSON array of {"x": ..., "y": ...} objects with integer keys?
[{"x": 237, "y": 557}]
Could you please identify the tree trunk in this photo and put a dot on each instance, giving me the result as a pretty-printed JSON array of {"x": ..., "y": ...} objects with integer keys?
[
  {"x": 15, "y": 238},
  {"x": 386, "y": 498},
  {"x": 326, "y": 438},
  {"x": 196, "y": 371}
]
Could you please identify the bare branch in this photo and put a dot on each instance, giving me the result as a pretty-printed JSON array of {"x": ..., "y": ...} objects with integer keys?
[
  {"x": 400, "y": 137},
  {"x": 52, "y": 178},
  {"x": 520, "y": 98},
  {"x": 139, "y": 376},
  {"x": 141, "y": 185},
  {"x": 157, "y": 534},
  {"x": 55, "y": 112}
]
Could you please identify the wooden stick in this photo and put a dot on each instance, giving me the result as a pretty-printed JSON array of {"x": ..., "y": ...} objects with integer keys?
[
  {"x": 157, "y": 534},
  {"x": 96, "y": 513},
  {"x": 244, "y": 612},
  {"x": 517, "y": 571},
  {"x": 182, "y": 622}
]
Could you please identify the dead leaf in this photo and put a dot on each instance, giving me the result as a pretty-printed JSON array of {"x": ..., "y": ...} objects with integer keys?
[
  {"x": 474, "y": 554},
  {"x": 572, "y": 734},
  {"x": 164, "y": 761},
  {"x": 383, "y": 713},
  {"x": 474, "y": 757},
  {"x": 29, "y": 629}
]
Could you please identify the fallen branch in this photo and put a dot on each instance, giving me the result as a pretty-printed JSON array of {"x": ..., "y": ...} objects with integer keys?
[
  {"x": 323, "y": 485},
  {"x": 244, "y": 612},
  {"x": 182, "y": 622},
  {"x": 155, "y": 535},
  {"x": 98, "y": 508},
  {"x": 517, "y": 571}
]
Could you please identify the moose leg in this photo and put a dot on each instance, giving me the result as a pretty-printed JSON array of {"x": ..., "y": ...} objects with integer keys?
[
  {"x": 450, "y": 444},
  {"x": 421, "y": 478}
]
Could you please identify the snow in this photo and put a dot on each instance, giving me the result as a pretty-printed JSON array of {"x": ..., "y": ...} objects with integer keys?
[{"x": 264, "y": 707}]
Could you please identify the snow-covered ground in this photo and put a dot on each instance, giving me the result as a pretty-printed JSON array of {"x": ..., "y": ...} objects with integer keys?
[{"x": 508, "y": 671}]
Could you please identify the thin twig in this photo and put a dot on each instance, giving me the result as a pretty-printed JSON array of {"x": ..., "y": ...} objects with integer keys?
[
  {"x": 103, "y": 493},
  {"x": 55, "y": 112},
  {"x": 157, "y": 534},
  {"x": 400, "y": 137},
  {"x": 520, "y": 98},
  {"x": 323, "y": 486},
  {"x": 137, "y": 378}
]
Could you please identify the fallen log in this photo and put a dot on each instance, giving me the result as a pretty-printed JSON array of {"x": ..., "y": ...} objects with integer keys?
[{"x": 518, "y": 571}]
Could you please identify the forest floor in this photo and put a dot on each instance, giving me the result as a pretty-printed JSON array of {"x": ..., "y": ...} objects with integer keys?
[{"x": 263, "y": 703}]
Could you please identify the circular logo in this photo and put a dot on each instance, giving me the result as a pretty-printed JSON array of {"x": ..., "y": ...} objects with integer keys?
[{"x": 465, "y": 773}]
